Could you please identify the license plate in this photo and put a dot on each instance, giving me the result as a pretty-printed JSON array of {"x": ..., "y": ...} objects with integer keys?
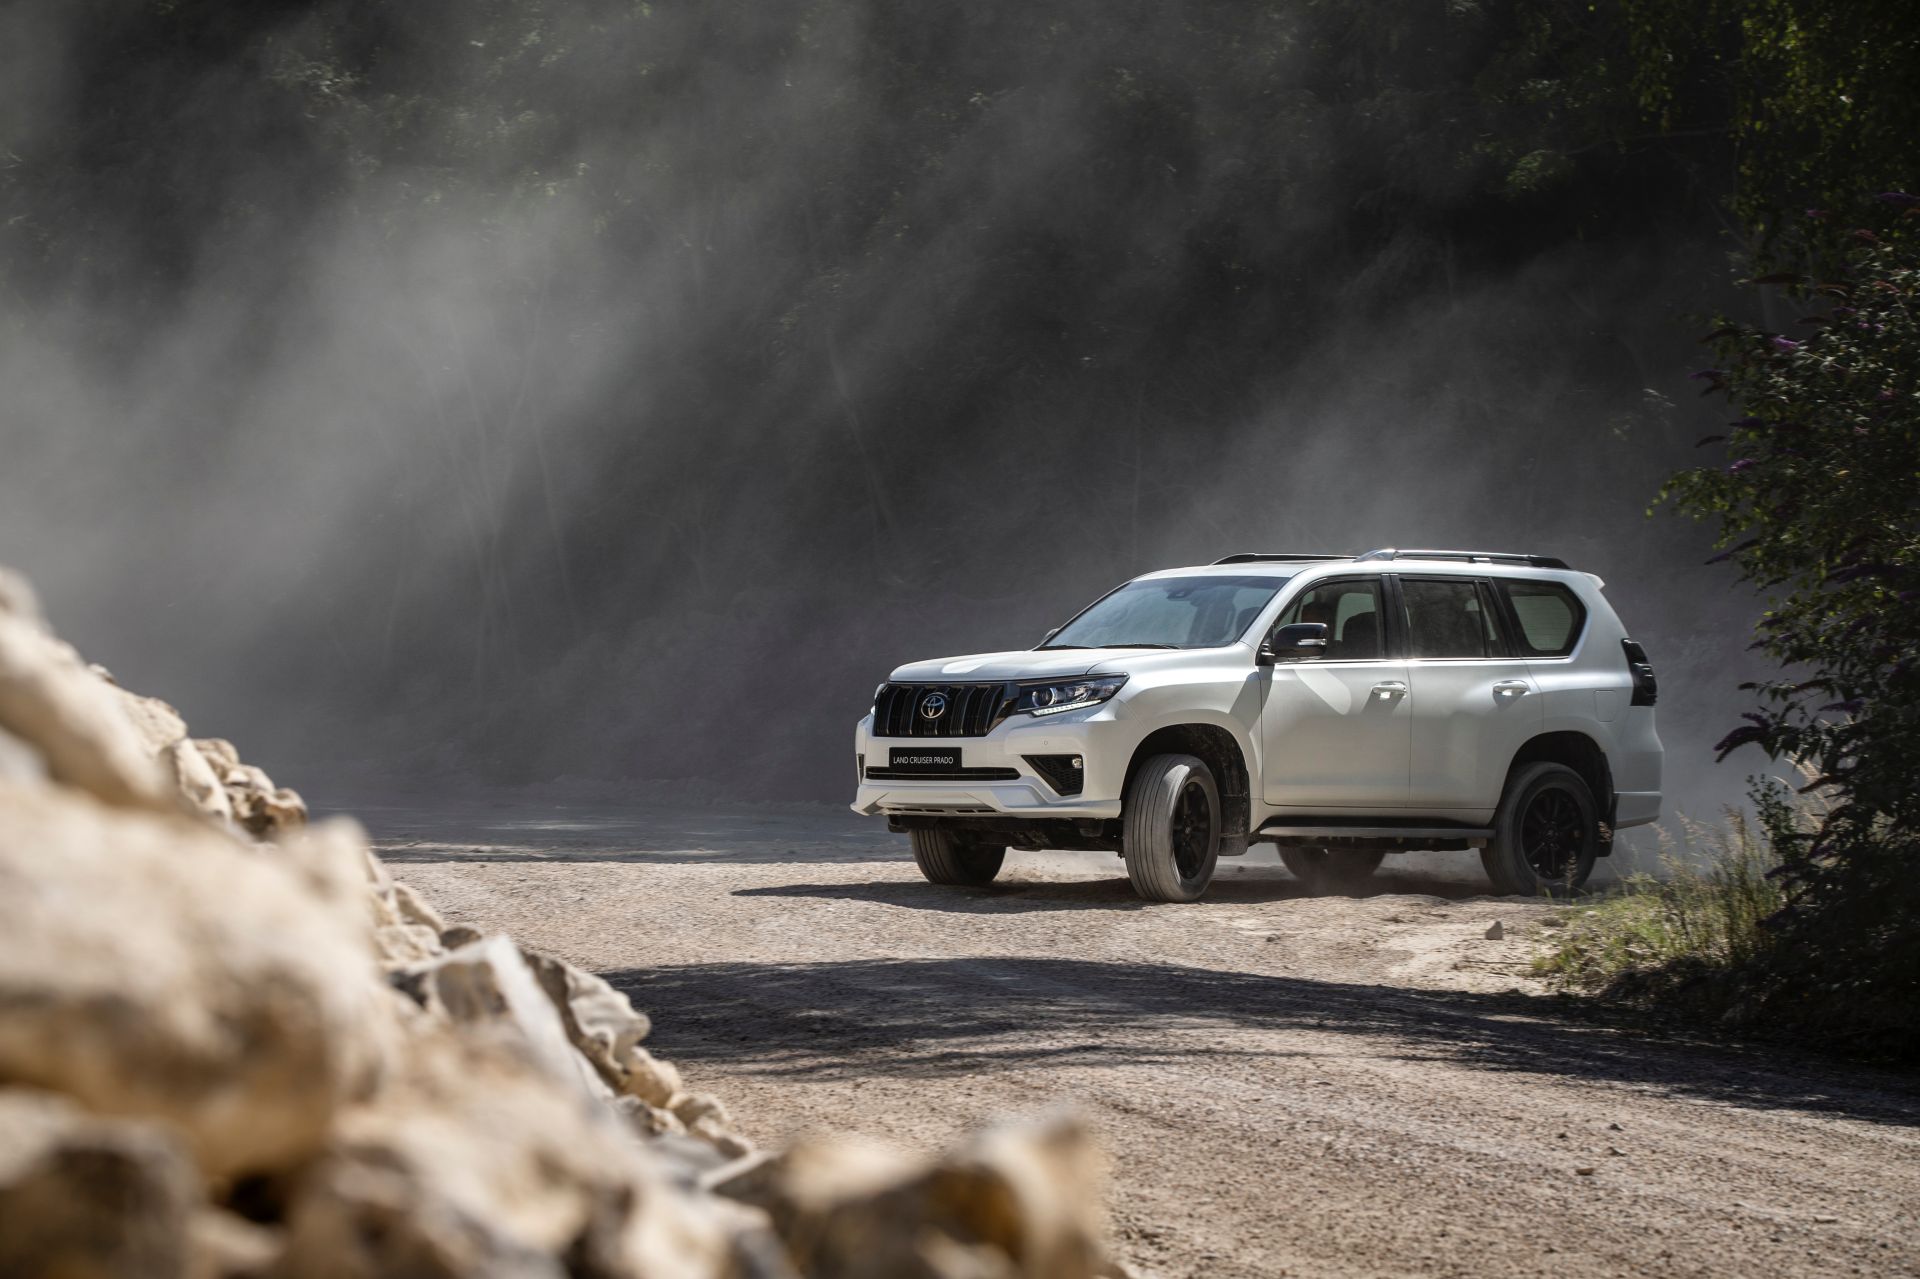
[{"x": 912, "y": 760}]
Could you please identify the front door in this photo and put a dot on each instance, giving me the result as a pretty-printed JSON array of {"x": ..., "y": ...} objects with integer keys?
[
  {"x": 1475, "y": 703},
  {"x": 1336, "y": 728}
]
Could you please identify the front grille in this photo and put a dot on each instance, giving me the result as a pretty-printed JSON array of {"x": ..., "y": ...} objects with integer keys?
[
  {"x": 949, "y": 775},
  {"x": 1067, "y": 774},
  {"x": 966, "y": 710}
]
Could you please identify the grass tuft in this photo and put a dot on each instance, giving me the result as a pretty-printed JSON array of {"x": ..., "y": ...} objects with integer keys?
[{"x": 1702, "y": 920}]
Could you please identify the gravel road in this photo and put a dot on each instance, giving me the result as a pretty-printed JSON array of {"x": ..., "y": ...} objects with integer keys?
[{"x": 1288, "y": 1085}]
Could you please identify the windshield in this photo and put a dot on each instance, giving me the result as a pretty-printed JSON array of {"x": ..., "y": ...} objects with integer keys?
[{"x": 1171, "y": 612}]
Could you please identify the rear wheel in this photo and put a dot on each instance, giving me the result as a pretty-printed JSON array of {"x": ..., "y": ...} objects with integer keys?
[
  {"x": 1170, "y": 831},
  {"x": 1545, "y": 835},
  {"x": 947, "y": 858},
  {"x": 1331, "y": 870}
]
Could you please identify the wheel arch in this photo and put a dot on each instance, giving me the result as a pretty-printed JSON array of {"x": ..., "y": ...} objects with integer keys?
[
  {"x": 1222, "y": 752},
  {"x": 1581, "y": 753}
]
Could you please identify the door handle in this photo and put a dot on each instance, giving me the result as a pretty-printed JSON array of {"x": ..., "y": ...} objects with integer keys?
[
  {"x": 1389, "y": 688},
  {"x": 1515, "y": 687}
]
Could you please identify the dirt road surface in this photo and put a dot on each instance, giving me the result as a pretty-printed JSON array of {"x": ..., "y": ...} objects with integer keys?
[{"x": 1289, "y": 1085}]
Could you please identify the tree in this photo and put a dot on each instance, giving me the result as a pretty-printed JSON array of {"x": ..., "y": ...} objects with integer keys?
[{"x": 1819, "y": 505}]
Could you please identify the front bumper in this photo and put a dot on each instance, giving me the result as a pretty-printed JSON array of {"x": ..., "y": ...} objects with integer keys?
[{"x": 1095, "y": 735}]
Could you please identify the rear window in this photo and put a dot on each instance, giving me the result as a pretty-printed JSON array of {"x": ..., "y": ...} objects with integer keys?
[{"x": 1550, "y": 617}]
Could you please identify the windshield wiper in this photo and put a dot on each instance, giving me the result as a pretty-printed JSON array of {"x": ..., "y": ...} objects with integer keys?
[
  {"x": 1136, "y": 646},
  {"x": 1047, "y": 648}
]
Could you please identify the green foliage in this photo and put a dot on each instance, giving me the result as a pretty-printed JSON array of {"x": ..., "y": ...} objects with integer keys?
[
  {"x": 1821, "y": 100},
  {"x": 1818, "y": 505}
]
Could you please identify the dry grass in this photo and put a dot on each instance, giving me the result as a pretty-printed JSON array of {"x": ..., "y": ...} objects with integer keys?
[{"x": 1705, "y": 912}]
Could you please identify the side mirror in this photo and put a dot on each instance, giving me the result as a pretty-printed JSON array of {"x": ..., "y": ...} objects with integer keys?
[{"x": 1291, "y": 643}]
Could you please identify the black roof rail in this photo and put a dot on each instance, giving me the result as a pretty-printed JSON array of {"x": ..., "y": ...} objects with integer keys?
[
  {"x": 1250, "y": 557},
  {"x": 1475, "y": 557}
]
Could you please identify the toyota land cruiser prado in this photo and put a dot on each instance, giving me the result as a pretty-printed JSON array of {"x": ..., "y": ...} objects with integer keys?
[{"x": 1341, "y": 707}]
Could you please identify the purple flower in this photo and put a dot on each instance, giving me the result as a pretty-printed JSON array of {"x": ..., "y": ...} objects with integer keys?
[
  {"x": 1744, "y": 464},
  {"x": 1786, "y": 346},
  {"x": 1900, "y": 199}
]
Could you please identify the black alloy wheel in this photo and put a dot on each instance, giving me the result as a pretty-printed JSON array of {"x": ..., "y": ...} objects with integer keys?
[
  {"x": 1546, "y": 833},
  {"x": 1551, "y": 832}
]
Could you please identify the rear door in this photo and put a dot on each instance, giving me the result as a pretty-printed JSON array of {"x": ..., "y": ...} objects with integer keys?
[
  {"x": 1474, "y": 701},
  {"x": 1335, "y": 729}
]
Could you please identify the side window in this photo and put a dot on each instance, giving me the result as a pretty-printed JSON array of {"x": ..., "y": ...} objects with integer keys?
[
  {"x": 1551, "y": 617},
  {"x": 1351, "y": 613},
  {"x": 1449, "y": 617}
]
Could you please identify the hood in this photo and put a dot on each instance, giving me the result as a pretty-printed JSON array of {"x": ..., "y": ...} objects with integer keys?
[
  {"x": 1040, "y": 664},
  {"x": 990, "y": 667}
]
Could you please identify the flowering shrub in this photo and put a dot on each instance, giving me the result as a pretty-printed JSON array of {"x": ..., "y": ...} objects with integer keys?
[{"x": 1818, "y": 504}]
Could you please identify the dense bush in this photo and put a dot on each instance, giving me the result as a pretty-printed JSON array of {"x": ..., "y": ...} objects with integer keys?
[{"x": 1818, "y": 504}]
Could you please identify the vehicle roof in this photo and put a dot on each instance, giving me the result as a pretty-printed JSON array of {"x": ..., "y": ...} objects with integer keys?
[{"x": 1282, "y": 570}]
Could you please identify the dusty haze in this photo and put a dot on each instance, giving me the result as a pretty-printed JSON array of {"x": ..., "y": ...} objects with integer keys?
[{"x": 607, "y": 392}]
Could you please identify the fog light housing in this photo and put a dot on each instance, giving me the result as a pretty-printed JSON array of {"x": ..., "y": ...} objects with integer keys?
[{"x": 1067, "y": 774}]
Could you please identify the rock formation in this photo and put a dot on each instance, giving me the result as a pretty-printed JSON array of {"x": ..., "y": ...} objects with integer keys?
[{"x": 232, "y": 1045}]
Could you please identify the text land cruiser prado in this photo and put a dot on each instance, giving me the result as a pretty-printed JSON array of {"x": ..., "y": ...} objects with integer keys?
[{"x": 1341, "y": 707}]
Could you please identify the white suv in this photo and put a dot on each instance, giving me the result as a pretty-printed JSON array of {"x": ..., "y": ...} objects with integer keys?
[{"x": 1342, "y": 707}]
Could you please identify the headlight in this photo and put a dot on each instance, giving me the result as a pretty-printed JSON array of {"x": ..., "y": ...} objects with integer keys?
[{"x": 1067, "y": 695}]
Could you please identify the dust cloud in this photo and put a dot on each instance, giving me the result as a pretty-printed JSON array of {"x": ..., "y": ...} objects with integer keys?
[{"x": 516, "y": 394}]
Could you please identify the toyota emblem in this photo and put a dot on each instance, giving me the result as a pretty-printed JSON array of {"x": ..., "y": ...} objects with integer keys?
[{"x": 933, "y": 706}]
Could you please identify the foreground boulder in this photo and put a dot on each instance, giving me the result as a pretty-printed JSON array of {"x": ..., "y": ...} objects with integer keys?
[
  {"x": 156, "y": 969},
  {"x": 232, "y": 1046},
  {"x": 84, "y": 1198}
]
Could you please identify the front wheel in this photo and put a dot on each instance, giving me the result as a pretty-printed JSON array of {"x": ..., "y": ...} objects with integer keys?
[
  {"x": 1170, "y": 834},
  {"x": 1327, "y": 870},
  {"x": 946, "y": 858},
  {"x": 1545, "y": 835}
]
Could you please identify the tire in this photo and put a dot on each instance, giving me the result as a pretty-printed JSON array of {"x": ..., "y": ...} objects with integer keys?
[
  {"x": 1545, "y": 835},
  {"x": 1170, "y": 828},
  {"x": 945, "y": 858},
  {"x": 1327, "y": 870}
]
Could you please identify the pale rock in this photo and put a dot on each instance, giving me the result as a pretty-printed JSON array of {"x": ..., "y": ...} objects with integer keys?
[
  {"x": 18, "y": 599},
  {"x": 718, "y": 1135},
  {"x": 1496, "y": 931},
  {"x": 1020, "y": 1203},
  {"x": 333, "y": 859},
  {"x": 473, "y": 1164},
  {"x": 227, "y": 1246},
  {"x": 158, "y": 724},
  {"x": 414, "y": 909},
  {"x": 600, "y": 1021},
  {"x": 53, "y": 702},
  {"x": 405, "y": 945},
  {"x": 220, "y": 754},
  {"x": 648, "y": 1121},
  {"x": 20, "y": 762},
  {"x": 263, "y": 810},
  {"x": 691, "y": 1108},
  {"x": 652, "y": 1080},
  {"x": 154, "y": 968},
  {"x": 87, "y": 1198},
  {"x": 460, "y": 935},
  {"x": 194, "y": 779},
  {"x": 487, "y": 987}
]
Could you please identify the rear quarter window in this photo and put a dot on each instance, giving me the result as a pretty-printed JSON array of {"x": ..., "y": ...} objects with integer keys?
[{"x": 1550, "y": 617}]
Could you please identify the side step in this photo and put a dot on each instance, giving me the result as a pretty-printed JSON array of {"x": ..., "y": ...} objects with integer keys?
[{"x": 1298, "y": 833}]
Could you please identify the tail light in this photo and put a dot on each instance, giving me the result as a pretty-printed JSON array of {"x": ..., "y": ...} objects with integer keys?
[{"x": 1646, "y": 689}]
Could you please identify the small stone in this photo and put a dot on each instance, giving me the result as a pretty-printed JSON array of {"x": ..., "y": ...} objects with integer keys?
[
  {"x": 1495, "y": 931},
  {"x": 1615, "y": 1128},
  {"x": 1585, "y": 1170},
  {"x": 1616, "y": 1152},
  {"x": 1824, "y": 1220}
]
